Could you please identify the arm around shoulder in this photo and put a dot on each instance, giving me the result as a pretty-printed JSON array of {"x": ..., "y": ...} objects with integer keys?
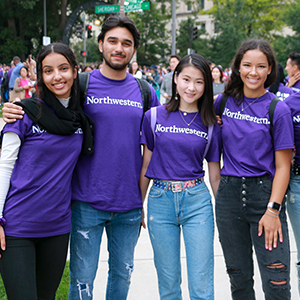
[{"x": 11, "y": 112}]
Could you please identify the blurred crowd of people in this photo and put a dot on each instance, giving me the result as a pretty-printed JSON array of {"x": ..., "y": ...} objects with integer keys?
[{"x": 158, "y": 76}]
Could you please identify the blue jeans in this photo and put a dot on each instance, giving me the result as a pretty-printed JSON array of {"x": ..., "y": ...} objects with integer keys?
[
  {"x": 122, "y": 231},
  {"x": 190, "y": 210},
  {"x": 240, "y": 204},
  {"x": 293, "y": 208}
]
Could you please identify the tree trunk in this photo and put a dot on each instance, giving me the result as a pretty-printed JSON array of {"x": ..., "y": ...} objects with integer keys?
[
  {"x": 63, "y": 19},
  {"x": 11, "y": 21}
]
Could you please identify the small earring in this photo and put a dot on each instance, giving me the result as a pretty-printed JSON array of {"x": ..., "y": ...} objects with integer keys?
[{"x": 176, "y": 96}]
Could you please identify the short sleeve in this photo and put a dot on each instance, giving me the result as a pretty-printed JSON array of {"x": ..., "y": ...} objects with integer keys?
[
  {"x": 283, "y": 130},
  {"x": 147, "y": 137},
  {"x": 215, "y": 148}
]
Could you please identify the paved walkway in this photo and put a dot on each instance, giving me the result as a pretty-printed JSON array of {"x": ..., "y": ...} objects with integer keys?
[{"x": 144, "y": 280}]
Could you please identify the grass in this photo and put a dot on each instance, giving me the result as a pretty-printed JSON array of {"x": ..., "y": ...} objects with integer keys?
[{"x": 62, "y": 291}]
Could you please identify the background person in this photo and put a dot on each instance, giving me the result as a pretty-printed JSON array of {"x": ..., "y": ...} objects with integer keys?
[
  {"x": 218, "y": 83},
  {"x": 166, "y": 86},
  {"x": 293, "y": 70},
  {"x": 134, "y": 70},
  {"x": 15, "y": 73},
  {"x": 87, "y": 69},
  {"x": 24, "y": 87},
  {"x": 278, "y": 87}
]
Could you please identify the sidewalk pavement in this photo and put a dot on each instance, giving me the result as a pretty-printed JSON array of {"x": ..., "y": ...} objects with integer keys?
[{"x": 144, "y": 281}]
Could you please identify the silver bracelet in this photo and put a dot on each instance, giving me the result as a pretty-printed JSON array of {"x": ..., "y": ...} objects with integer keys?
[
  {"x": 277, "y": 214},
  {"x": 272, "y": 216}
]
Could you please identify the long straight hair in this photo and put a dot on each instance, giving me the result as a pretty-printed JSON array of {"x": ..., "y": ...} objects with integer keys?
[
  {"x": 205, "y": 102},
  {"x": 235, "y": 85},
  {"x": 67, "y": 52}
]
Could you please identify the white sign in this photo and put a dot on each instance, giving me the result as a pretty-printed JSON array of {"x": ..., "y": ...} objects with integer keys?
[{"x": 46, "y": 40}]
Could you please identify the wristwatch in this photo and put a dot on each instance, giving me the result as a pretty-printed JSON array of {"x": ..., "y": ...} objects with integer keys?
[{"x": 275, "y": 206}]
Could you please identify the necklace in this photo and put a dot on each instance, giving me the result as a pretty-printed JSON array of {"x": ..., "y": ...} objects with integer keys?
[
  {"x": 243, "y": 108},
  {"x": 184, "y": 114}
]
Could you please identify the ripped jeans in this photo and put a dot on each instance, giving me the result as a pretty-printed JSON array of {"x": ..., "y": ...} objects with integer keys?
[
  {"x": 240, "y": 204},
  {"x": 293, "y": 209},
  {"x": 122, "y": 231}
]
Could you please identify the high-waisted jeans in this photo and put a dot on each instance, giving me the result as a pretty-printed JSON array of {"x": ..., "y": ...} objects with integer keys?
[
  {"x": 169, "y": 212},
  {"x": 240, "y": 204}
]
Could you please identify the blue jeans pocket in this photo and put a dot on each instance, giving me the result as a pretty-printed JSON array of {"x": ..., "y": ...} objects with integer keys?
[
  {"x": 155, "y": 192},
  {"x": 198, "y": 189}
]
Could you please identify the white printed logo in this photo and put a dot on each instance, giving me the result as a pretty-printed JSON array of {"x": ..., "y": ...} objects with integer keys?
[
  {"x": 109, "y": 101},
  {"x": 175, "y": 129},
  {"x": 246, "y": 117},
  {"x": 38, "y": 129}
]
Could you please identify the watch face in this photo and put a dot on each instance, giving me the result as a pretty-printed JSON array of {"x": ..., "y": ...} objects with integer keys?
[{"x": 274, "y": 205}]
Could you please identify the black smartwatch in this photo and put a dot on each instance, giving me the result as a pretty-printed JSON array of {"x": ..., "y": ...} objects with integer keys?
[{"x": 275, "y": 206}]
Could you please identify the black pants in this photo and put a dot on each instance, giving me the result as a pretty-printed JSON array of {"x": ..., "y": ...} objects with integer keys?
[{"x": 32, "y": 268}]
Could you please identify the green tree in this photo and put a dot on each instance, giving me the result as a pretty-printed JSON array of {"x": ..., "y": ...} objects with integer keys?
[
  {"x": 92, "y": 49},
  {"x": 237, "y": 20},
  {"x": 154, "y": 46},
  {"x": 22, "y": 22},
  {"x": 184, "y": 39},
  {"x": 286, "y": 44}
]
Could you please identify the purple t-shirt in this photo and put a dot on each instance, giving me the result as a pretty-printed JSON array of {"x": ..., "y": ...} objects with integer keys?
[
  {"x": 283, "y": 91},
  {"x": 108, "y": 179},
  {"x": 293, "y": 103},
  {"x": 296, "y": 87},
  {"x": 39, "y": 198},
  {"x": 179, "y": 148},
  {"x": 248, "y": 149}
]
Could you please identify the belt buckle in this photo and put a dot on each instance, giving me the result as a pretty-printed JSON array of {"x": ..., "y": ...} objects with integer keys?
[{"x": 176, "y": 187}]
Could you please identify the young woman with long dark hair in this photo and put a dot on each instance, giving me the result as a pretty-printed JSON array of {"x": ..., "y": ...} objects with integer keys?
[
  {"x": 179, "y": 199},
  {"x": 39, "y": 154},
  {"x": 250, "y": 202}
]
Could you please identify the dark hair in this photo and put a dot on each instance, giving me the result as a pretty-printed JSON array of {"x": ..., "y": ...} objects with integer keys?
[
  {"x": 64, "y": 50},
  {"x": 234, "y": 86},
  {"x": 116, "y": 21},
  {"x": 295, "y": 59},
  {"x": 205, "y": 102},
  {"x": 176, "y": 56},
  {"x": 84, "y": 69},
  {"x": 24, "y": 68},
  {"x": 130, "y": 67},
  {"x": 221, "y": 71},
  {"x": 279, "y": 79}
]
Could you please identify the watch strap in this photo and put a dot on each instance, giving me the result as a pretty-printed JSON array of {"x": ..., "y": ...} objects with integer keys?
[{"x": 275, "y": 206}]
